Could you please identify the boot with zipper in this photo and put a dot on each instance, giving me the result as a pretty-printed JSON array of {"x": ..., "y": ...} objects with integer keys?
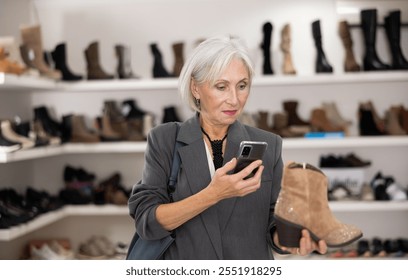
[
  {"x": 322, "y": 65},
  {"x": 371, "y": 60},
  {"x": 350, "y": 64},
  {"x": 303, "y": 204},
  {"x": 94, "y": 68},
  {"x": 392, "y": 25}
]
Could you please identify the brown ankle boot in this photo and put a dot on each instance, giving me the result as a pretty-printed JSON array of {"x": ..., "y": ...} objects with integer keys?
[
  {"x": 32, "y": 40},
  {"x": 320, "y": 122},
  {"x": 303, "y": 204},
  {"x": 94, "y": 69},
  {"x": 392, "y": 121},
  {"x": 262, "y": 121},
  {"x": 350, "y": 64},
  {"x": 80, "y": 133},
  {"x": 178, "y": 58},
  {"x": 404, "y": 119},
  {"x": 287, "y": 67},
  {"x": 290, "y": 108}
]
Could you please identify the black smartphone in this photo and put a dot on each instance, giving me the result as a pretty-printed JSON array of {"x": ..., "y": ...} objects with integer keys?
[{"x": 248, "y": 152}]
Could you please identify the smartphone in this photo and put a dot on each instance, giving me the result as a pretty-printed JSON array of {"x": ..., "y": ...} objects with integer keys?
[{"x": 248, "y": 152}]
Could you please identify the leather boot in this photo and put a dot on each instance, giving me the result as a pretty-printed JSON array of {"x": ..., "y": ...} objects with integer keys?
[
  {"x": 350, "y": 64},
  {"x": 94, "y": 68},
  {"x": 135, "y": 130},
  {"x": 266, "y": 48},
  {"x": 124, "y": 68},
  {"x": 369, "y": 27},
  {"x": 32, "y": 40},
  {"x": 105, "y": 129},
  {"x": 290, "y": 107},
  {"x": 262, "y": 121},
  {"x": 60, "y": 59},
  {"x": 320, "y": 122},
  {"x": 116, "y": 119},
  {"x": 158, "y": 66},
  {"x": 43, "y": 135},
  {"x": 80, "y": 133},
  {"x": 131, "y": 111},
  {"x": 8, "y": 66},
  {"x": 178, "y": 58},
  {"x": 303, "y": 204},
  {"x": 170, "y": 115},
  {"x": 322, "y": 65},
  {"x": 287, "y": 67},
  {"x": 392, "y": 25},
  {"x": 51, "y": 126},
  {"x": 8, "y": 132},
  {"x": 369, "y": 121},
  {"x": 392, "y": 121}
]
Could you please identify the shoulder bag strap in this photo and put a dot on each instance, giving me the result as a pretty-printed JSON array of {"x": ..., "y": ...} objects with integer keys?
[{"x": 171, "y": 186}]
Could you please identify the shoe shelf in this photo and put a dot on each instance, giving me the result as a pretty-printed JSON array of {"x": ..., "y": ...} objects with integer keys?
[
  {"x": 24, "y": 82},
  {"x": 54, "y": 216},
  {"x": 13, "y": 82},
  {"x": 119, "y": 210},
  {"x": 140, "y": 147}
]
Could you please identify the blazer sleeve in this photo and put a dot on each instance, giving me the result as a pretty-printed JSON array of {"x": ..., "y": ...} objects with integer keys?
[{"x": 151, "y": 190}]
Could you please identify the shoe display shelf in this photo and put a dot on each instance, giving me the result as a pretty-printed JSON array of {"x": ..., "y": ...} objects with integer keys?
[
  {"x": 139, "y": 147},
  {"x": 25, "y": 82},
  {"x": 54, "y": 216}
]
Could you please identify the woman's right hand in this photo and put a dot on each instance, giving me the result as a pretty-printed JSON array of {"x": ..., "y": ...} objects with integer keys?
[{"x": 224, "y": 185}]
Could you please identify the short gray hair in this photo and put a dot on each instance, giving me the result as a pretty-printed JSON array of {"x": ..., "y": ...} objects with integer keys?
[{"x": 208, "y": 61}]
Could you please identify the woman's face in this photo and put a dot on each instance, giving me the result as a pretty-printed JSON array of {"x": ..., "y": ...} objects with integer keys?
[{"x": 223, "y": 101}]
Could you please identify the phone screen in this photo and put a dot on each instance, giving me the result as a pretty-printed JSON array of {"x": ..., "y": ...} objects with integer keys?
[{"x": 248, "y": 152}]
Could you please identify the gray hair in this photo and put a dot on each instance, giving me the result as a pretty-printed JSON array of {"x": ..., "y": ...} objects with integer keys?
[{"x": 208, "y": 61}]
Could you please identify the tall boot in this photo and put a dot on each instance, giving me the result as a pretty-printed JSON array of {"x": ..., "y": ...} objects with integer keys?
[
  {"x": 158, "y": 66},
  {"x": 287, "y": 67},
  {"x": 266, "y": 48},
  {"x": 32, "y": 40},
  {"x": 290, "y": 107},
  {"x": 60, "y": 59},
  {"x": 322, "y": 65},
  {"x": 94, "y": 69},
  {"x": 369, "y": 27},
  {"x": 303, "y": 204},
  {"x": 178, "y": 58},
  {"x": 350, "y": 64},
  {"x": 392, "y": 24},
  {"x": 124, "y": 68}
]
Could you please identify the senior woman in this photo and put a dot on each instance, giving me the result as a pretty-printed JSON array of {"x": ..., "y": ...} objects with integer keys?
[{"x": 215, "y": 214}]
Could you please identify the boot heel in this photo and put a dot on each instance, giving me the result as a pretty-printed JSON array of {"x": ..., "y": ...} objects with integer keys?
[{"x": 289, "y": 234}]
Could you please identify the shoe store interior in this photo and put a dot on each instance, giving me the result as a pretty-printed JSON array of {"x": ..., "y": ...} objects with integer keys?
[{"x": 82, "y": 82}]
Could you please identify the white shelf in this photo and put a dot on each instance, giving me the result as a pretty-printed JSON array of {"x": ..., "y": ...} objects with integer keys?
[
  {"x": 118, "y": 210},
  {"x": 8, "y": 81},
  {"x": 140, "y": 147},
  {"x": 54, "y": 216}
]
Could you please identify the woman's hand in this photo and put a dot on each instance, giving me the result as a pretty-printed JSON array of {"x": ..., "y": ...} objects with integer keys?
[
  {"x": 306, "y": 245},
  {"x": 225, "y": 185}
]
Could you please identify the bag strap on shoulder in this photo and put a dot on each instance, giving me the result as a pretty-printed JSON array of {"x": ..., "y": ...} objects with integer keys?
[{"x": 171, "y": 186}]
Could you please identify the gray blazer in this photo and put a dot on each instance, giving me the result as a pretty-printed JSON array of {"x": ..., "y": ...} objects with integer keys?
[{"x": 235, "y": 228}]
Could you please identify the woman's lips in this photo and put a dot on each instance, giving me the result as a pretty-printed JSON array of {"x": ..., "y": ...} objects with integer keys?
[{"x": 230, "y": 112}]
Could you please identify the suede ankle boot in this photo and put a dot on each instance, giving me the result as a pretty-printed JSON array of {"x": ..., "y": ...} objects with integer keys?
[
  {"x": 94, "y": 68},
  {"x": 322, "y": 65},
  {"x": 350, "y": 64},
  {"x": 369, "y": 26},
  {"x": 32, "y": 40},
  {"x": 287, "y": 67},
  {"x": 392, "y": 121},
  {"x": 266, "y": 48},
  {"x": 178, "y": 58},
  {"x": 320, "y": 122},
  {"x": 60, "y": 59},
  {"x": 159, "y": 71},
  {"x": 334, "y": 116},
  {"x": 392, "y": 25},
  {"x": 80, "y": 133},
  {"x": 303, "y": 204}
]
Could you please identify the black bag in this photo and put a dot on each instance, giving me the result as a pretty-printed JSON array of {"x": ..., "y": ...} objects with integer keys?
[{"x": 140, "y": 249}]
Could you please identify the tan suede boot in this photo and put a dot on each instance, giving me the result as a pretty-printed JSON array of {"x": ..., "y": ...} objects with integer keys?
[
  {"x": 32, "y": 40},
  {"x": 303, "y": 204},
  {"x": 287, "y": 67},
  {"x": 80, "y": 133},
  {"x": 350, "y": 64}
]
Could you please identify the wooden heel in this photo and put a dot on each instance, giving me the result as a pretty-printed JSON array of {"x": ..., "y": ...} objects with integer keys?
[{"x": 289, "y": 234}]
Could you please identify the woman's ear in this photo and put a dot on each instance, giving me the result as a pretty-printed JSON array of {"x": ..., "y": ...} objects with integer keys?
[{"x": 194, "y": 89}]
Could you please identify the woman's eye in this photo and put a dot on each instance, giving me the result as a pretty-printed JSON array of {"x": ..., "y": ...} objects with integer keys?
[
  {"x": 242, "y": 86},
  {"x": 220, "y": 87}
]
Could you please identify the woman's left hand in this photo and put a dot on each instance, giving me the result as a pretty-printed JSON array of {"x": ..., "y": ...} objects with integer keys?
[{"x": 306, "y": 245}]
